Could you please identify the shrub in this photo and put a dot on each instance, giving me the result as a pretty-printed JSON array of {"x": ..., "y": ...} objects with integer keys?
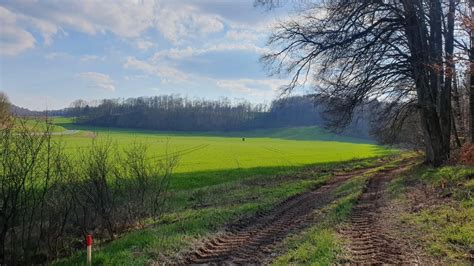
[{"x": 49, "y": 200}]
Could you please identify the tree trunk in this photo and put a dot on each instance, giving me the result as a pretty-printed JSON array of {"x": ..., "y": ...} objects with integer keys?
[
  {"x": 3, "y": 236},
  {"x": 445, "y": 111},
  {"x": 433, "y": 136},
  {"x": 471, "y": 89},
  {"x": 424, "y": 55},
  {"x": 455, "y": 131}
]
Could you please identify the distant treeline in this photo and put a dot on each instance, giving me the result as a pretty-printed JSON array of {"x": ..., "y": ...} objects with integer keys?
[
  {"x": 170, "y": 112},
  {"x": 24, "y": 112}
]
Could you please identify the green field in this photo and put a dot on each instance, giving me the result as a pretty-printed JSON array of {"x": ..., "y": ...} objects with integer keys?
[
  {"x": 38, "y": 125},
  {"x": 207, "y": 158}
]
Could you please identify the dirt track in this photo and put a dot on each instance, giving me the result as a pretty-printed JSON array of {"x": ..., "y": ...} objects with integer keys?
[
  {"x": 252, "y": 241},
  {"x": 369, "y": 239}
]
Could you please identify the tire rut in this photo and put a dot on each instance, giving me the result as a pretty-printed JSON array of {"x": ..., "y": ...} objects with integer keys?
[
  {"x": 252, "y": 240},
  {"x": 369, "y": 239}
]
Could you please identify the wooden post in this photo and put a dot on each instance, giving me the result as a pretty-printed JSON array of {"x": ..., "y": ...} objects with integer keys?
[{"x": 89, "y": 242}]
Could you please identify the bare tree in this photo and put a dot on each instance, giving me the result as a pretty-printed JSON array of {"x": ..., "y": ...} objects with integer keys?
[{"x": 397, "y": 51}]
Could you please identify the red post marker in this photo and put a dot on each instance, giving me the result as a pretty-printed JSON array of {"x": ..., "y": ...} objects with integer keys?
[{"x": 89, "y": 242}]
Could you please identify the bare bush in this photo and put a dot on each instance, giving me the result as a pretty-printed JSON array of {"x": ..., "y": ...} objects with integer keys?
[
  {"x": 49, "y": 198},
  {"x": 141, "y": 183},
  {"x": 94, "y": 194},
  {"x": 27, "y": 173}
]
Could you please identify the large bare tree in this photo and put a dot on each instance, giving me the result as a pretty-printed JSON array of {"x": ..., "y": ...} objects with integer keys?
[{"x": 400, "y": 51}]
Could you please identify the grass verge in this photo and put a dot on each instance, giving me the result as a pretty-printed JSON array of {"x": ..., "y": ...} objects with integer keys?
[{"x": 440, "y": 210}]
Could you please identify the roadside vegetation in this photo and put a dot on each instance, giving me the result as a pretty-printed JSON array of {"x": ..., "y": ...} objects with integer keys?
[
  {"x": 51, "y": 199},
  {"x": 439, "y": 209}
]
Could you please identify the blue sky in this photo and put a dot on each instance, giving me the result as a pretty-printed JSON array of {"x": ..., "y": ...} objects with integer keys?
[{"x": 53, "y": 52}]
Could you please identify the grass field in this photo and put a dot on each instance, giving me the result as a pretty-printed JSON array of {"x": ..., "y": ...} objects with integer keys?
[
  {"x": 38, "y": 125},
  {"x": 203, "y": 154}
]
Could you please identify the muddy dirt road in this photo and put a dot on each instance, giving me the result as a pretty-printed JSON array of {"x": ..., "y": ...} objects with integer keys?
[
  {"x": 253, "y": 240},
  {"x": 369, "y": 238}
]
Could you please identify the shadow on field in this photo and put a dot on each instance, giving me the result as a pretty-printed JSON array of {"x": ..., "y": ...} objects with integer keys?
[{"x": 199, "y": 179}]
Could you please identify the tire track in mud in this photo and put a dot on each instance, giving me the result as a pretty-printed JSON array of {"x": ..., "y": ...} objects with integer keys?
[
  {"x": 369, "y": 240},
  {"x": 252, "y": 240}
]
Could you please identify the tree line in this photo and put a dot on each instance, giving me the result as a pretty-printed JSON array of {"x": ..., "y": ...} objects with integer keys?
[{"x": 171, "y": 112}]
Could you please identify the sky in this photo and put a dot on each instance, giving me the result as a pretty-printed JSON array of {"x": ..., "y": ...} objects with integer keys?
[{"x": 53, "y": 52}]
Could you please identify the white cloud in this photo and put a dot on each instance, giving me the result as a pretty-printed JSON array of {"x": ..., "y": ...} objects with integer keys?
[
  {"x": 144, "y": 44},
  {"x": 13, "y": 39},
  {"x": 47, "y": 29},
  {"x": 123, "y": 18},
  {"x": 178, "y": 22},
  {"x": 99, "y": 80},
  {"x": 135, "y": 77},
  {"x": 176, "y": 53},
  {"x": 57, "y": 55},
  {"x": 88, "y": 58},
  {"x": 167, "y": 73},
  {"x": 186, "y": 22},
  {"x": 242, "y": 35},
  {"x": 253, "y": 87},
  {"x": 127, "y": 19},
  {"x": 180, "y": 53}
]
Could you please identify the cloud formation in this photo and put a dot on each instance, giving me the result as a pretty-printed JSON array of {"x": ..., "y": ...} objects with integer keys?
[
  {"x": 186, "y": 22},
  {"x": 178, "y": 23},
  {"x": 13, "y": 38},
  {"x": 181, "y": 53},
  {"x": 166, "y": 73},
  {"x": 99, "y": 80},
  {"x": 254, "y": 87},
  {"x": 143, "y": 44},
  {"x": 207, "y": 48}
]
